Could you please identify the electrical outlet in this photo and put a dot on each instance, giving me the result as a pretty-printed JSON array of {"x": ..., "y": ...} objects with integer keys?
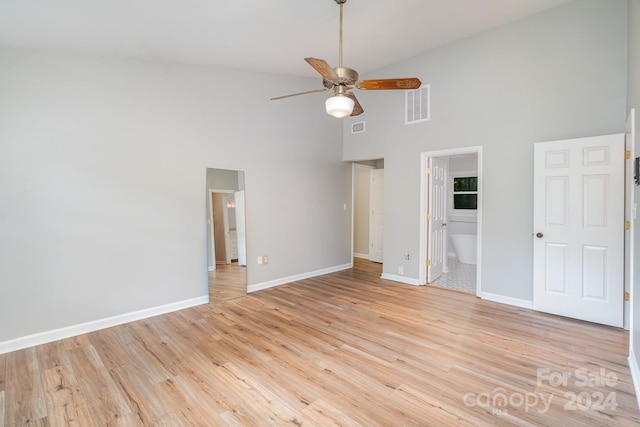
[
  {"x": 400, "y": 269},
  {"x": 265, "y": 259},
  {"x": 260, "y": 259}
]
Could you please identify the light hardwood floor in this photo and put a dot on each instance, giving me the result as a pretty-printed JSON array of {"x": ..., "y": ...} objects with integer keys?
[
  {"x": 227, "y": 281},
  {"x": 343, "y": 349}
]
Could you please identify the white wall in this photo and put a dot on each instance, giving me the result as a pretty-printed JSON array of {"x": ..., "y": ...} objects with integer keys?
[
  {"x": 102, "y": 181},
  {"x": 559, "y": 74}
]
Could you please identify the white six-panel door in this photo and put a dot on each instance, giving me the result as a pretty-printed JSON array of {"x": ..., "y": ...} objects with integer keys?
[
  {"x": 579, "y": 228},
  {"x": 435, "y": 217}
]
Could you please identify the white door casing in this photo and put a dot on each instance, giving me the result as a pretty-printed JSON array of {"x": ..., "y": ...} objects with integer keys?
[
  {"x": 436, "y": 231},
  {"x": 212, "y": 243},
  {"x": 376, "y": 220},
  {"x": 232, "y": 232},
  {"x": 241, "y": 227},
  {"x": 579, "y": 228},
  {"x": 225, "y": 217},
  {"x": 629, "y": 214}
]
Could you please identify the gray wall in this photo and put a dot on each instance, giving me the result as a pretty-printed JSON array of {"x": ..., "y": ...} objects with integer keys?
[
  {"x": 559, "y": 74},
  {"x": 633, "y": 101},
  {"x": 102, "y": 176},
  {"x": 223, "y": 179},
  {"x": 463, "y": 164}
]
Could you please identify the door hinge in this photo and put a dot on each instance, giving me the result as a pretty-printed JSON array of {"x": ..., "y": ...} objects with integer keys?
[
  {"x": 428, "y": 171},
  {"x": 627, "y": 297},
  {"x": 428, "y": 262},
  {"x": 627, "y": 225},
  {"x": 627, "y": 154}
]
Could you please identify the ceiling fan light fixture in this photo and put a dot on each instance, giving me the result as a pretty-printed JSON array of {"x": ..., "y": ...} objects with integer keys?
[{"x": 339, "y": 106}]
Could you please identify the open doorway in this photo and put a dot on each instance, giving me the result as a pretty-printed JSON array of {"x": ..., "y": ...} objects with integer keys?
[
  {"x": 368, "y": 212},
  {"x": 451, "y": 225}
]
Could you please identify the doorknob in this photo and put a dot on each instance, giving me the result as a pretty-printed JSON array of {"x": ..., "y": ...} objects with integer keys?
[
  {"x": 539, "y": 235},
  {"x": 444, "y": 224}
]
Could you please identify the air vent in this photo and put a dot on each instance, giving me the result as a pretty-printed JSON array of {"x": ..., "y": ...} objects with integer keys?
[
  {"x": 357, "y": 127},
  {"x": 418, "y": 105}
]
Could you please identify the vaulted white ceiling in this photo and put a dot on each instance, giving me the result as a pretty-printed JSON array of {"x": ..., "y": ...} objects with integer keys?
[{"x": 265, "y": 35}]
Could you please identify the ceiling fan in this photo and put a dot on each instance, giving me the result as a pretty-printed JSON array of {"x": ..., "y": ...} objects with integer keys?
[{"x": 341, "y": 80}]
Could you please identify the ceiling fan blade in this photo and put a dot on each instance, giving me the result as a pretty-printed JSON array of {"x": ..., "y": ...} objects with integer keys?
[
  {"x": 321, "y": 66},
  {"x": 357, "y": 108},
  {"x": 387, "y": 84},
  {"x": 300, "y": 93}
]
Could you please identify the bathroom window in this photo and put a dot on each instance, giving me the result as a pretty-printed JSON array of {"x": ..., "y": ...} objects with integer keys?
[{"x": 465, "y": 193}]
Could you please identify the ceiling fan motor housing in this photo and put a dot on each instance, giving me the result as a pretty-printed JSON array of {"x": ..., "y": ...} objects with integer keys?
[{"x": 346, "y": 77}]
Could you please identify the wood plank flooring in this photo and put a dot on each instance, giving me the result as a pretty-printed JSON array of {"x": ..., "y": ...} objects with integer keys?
[
  {"x": 227, "y": 281},
  {"x": 345, "y": 349}
]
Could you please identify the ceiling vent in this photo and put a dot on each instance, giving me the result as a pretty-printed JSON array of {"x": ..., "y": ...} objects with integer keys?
[
  {"x": 418, "y": 105},
  {"x": 357, "y": 127}
]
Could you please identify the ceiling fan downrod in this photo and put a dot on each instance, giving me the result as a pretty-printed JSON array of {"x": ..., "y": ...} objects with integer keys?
[{"x": 340, "y": 2}]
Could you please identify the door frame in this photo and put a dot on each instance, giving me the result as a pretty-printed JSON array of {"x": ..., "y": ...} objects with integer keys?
[
  {"x": 423, "y": 253},
  {"x": 354, "y": 188},
  {"x": 629, "y": 217},
  {"x": 241, "y": 227},
  {"x": 212, "y": 243},
  {"x": 372, "y": 213}
]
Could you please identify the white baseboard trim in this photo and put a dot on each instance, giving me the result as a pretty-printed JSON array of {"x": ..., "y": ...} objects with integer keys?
[
  {"x": 284, "y": 280},
  {"x": 401, "y": 279},
  {"x": 212, "y": 268},
  {"x": 83, "y": 328},
  {"x": 522, "y": 303},
  {"x": 635, "y": 373},
  {"x": 365, "y": 256}
]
